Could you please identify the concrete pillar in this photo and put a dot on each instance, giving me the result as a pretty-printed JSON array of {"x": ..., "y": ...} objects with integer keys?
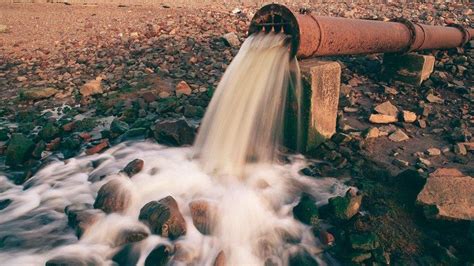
[
  {"x": 408, "y": 68},
  {"x": 320, "y": 98}
]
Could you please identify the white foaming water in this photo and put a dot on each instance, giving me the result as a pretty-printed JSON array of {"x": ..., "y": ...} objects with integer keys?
[{"x": 232, "y": 166}]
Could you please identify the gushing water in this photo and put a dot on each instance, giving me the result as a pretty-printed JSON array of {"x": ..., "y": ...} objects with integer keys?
[{"x": 232, "y": 167}]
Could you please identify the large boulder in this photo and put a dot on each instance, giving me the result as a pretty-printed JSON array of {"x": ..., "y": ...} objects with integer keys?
[
  {"x": 448, "y": 195},
  {"x": 113, "y": 197},
  {"x": 19, "y": 149},
  {"x": 174, "y": 132},
  {"x": 38, "y": 93},
  {"x": 164, "y": 218}
]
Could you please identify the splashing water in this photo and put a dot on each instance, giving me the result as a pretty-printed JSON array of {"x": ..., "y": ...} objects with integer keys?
[{"x": 232, "y": 166}]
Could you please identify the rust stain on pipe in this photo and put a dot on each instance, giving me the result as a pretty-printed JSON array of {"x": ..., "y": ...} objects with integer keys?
[{"x": 323, "y": 36}]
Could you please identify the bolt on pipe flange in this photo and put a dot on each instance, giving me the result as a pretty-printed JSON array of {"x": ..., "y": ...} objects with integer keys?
[{"x": 465, "y": 33}]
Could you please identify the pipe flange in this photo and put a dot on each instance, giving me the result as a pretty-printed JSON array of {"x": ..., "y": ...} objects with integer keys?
[
  {"x": 412, "y": 28},
  {"x": 466, "y": 36}
]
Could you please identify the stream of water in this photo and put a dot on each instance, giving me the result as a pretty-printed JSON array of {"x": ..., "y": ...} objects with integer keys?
[{"x": 234, "y": 165}]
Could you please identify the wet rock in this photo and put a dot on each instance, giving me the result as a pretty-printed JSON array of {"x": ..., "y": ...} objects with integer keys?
[
  {"x": 48, "y": 132},
  {"x": 81, "y": 217},
  {"x": 231, "y": 39},
  {"x": 113, "y": 197},
  {"x": 183, "y": 88},
  {"x": 449, "y": 195},
  {"x": 382, "y": 119},
  {"x": 220, "y": 259},
  {"x": 38, "y": 94},
  {"x": 302, "y": 257},
  {"x": 306, "y": 211},
  {"x": 98, "y": 148},
  {"x": 92, "y": 87},
  {"x": 364, "y": 241},
  {"x": 65, "y": 260},
  {"x": 202, "y": 213},
  {"x": 133, "y": 167},
  {"x": 174, "y": 132},
  {"x": 19, "y": 149},
  {"x": 159, "y": 256},
  {"x": 409, "y": 117},
  {"x": 344, "y": 208},
  {"x": 4, "y": 203},
  {"x": 387, "y": 108},
  {"x": 398, "y": 136},
  {"x": 326, "y": 238},
  {"x": 118, "y": 127},
  {"x": 128, "y": 255},
  {"x": 38, "y": 150},
  {"x": 130, "y": 235},
  {"x": 164, "y": 218}
]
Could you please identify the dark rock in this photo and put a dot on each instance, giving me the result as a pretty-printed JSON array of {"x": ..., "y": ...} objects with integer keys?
[
  {"x": 81, "y": 217},
  {"x": 306, "y": 211},
  {"x": 202, "y": 213},
  {"x": 65, "y": 260},
  {"x": 4, "y": 203},
  {"x": 48, "y": 132},
  {"x": 118, "y": 127},
  {"x": 38, "y": 150},
  {"x": 364, "y": 241},
  {"x": 112, "y": 197},
  {"x": 133, "y": 167},
  {"x": 159, "y": 256},
  {"x": 176, "y": 132},
  {"x": 128, "y": 255},
  {"x": 4, "y": 134},
  {"x": 344, "y": 208},
  {"x": 132, "y": 134},
  {"x": 163, "y": 218},
  {"x": 19, "y": 149},
  {"x": 130, "y": 236},
  {"x": 302, "y": 258}
]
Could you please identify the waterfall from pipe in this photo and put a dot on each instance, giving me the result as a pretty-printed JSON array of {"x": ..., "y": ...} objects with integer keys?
[
  {"x": 243, "y": 122},
  {"x": 232, "y": 167}
]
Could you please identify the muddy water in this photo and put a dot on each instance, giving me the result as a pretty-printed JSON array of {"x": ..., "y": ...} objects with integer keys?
[{"x": 233, "y": 166}]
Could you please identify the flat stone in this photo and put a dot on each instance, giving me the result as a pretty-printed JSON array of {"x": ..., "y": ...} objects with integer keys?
[
  {"x": 433, "y": 98},
  {"x": 38, "y": 94},
  {"x": 183, "y": 88},
  {"x": 382, "y": 119},
  {"x": 400, "y": 163},
  {"x": 398, "y": 136},
  {"x": 408, "y": 68},
  {"x": 386, "y": 108},
  {"x": 469, "y": 145},
  {"x": 372, "y": 132},
  {"x": 424, "y": 161},
  {"x": 98, "y": 148},
  {"x": 3, "y": 28},
  {"x": 409, "y": 117},
  {"x": 92, "y": 87},
  {"x": 452, "y": 196},
  {"x": 433, "y": 151},
  {"x": 231, "y": 39}
]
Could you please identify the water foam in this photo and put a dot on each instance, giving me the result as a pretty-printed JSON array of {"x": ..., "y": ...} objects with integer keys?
[{"x": 231, "y": 165}]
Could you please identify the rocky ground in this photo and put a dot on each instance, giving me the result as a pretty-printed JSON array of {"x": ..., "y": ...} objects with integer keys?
[{"x": 81, "y": 78}]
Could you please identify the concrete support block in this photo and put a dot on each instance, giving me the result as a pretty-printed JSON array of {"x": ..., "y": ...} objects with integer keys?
[
  {"x": 408, "y": 68},
  {"x": 320, "y": 98}
]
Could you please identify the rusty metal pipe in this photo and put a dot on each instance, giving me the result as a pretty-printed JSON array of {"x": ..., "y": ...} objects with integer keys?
[{"x": 324, "y": 36}]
